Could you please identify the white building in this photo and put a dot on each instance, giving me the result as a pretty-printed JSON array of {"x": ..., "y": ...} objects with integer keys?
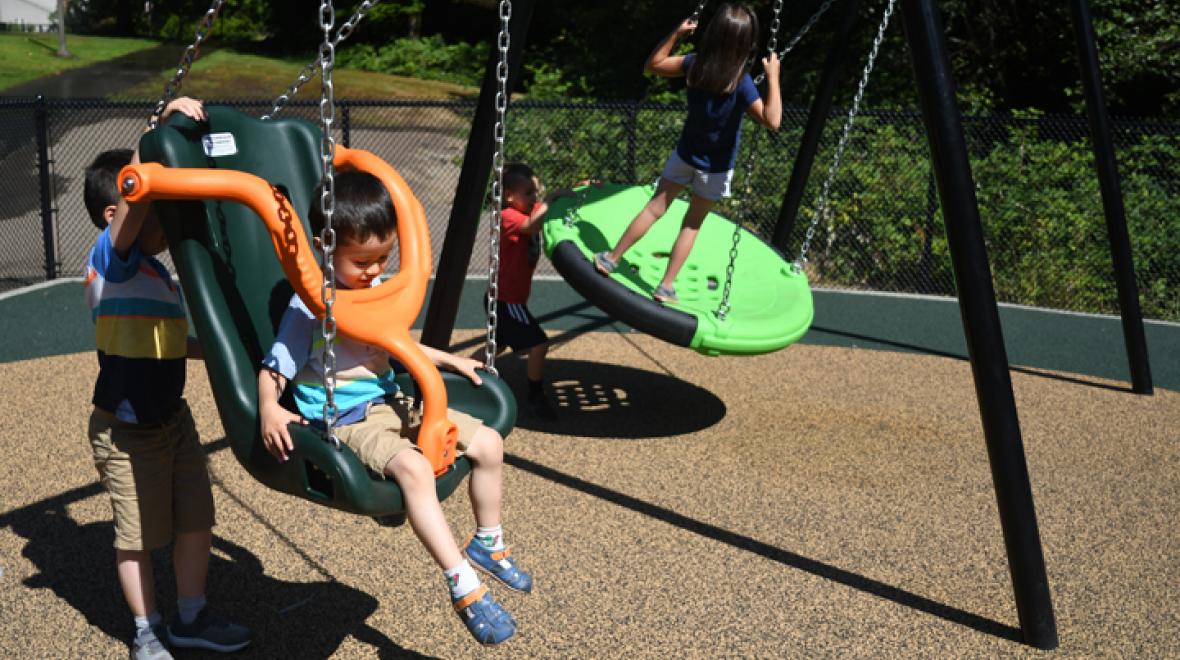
[{"x": 27, "y": 12}]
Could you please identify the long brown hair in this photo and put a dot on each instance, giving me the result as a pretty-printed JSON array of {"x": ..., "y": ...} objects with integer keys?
[{"x": 725, "y": 49}]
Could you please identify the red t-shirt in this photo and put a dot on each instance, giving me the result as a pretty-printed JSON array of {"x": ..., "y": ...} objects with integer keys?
[{"x": 516, "y": 264}]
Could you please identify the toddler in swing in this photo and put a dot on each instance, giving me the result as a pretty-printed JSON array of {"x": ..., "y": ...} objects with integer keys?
[
  {"x": 376, "y": 419},
  {"x": 720, "y": 90}
]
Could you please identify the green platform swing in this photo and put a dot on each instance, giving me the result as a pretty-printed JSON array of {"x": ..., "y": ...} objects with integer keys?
[
  {"x": 236, "y": 291},
  {"x": 732, "y": 302},
  {"x": 770, "y": 299}
]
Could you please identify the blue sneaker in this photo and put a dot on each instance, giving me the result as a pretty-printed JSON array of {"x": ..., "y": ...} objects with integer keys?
[
  {"x": 487, "y": 621},
  {"x": 499, "y": 565}
]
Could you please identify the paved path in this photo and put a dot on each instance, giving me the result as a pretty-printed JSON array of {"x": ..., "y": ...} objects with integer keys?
[{"x": 102, "y": 79}]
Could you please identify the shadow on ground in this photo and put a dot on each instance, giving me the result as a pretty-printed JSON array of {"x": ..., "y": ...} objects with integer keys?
[
  {"x": 289, "y": 619},
  {"x": 102, "y": 79},
  {"x": 613, "y": 401}
]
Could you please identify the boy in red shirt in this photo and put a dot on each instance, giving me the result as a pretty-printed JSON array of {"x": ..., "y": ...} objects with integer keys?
[{"x": 520, "y": 249}]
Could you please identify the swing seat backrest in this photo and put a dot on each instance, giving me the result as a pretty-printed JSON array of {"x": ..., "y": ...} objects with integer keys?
[{"x": 236, "y": 291}]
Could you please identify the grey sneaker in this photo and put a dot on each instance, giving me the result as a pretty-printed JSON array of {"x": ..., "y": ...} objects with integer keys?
[
  {"x": 211, "y": 632},
  {"x": 603, "y": 263},
  {"x": 147, "y": 645},
  {"x": 665, "y": 295}
]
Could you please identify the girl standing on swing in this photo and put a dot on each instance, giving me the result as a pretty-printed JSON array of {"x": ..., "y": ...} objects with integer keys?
[{"x": 719, "y": 91}]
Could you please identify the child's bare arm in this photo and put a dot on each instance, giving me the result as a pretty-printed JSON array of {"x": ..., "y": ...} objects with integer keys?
[
  {"x": 661, "y": 61},
  {"x": 769, "y": 113},
  {"x": 129, "y": 218},
  {"x": 275, "y": 418},
  {"x": 457, "y": 363},
  {"x": 536, "y": 219}
]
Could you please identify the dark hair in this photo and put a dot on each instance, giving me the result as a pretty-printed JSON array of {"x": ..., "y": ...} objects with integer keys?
[
  {"x": 101, "y": 188},
  {"x": 515, "y": 176},
  {"x": 725, "y": 49},
  {"x": 363, "y": 208}
]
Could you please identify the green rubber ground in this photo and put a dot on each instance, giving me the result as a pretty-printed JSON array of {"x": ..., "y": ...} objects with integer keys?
[{"x": 53, "y": 320}]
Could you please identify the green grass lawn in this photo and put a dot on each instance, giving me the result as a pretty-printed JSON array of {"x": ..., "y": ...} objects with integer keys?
[
  {"x": 25, "y": 57},
  {"x": 228, "y": 74}
]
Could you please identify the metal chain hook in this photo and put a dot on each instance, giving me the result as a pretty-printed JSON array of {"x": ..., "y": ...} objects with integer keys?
[
  {"x": 503, "y": 41},
  {"x": 327, "y": 59}
]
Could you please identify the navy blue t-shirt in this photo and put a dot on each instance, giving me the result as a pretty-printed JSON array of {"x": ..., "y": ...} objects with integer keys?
[{"x": 709, "y": 141}]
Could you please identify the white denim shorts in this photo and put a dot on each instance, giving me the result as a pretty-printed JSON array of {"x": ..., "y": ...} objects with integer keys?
[{"x": 708, "y": 185}]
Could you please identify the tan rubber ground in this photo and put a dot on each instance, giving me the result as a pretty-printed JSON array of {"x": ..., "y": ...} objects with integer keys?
[{"x": 813, "y": 502}]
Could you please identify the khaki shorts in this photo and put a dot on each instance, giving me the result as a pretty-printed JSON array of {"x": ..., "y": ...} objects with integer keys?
[
  {"x": 390, "y": 429},
  {"x": 157, "y": 477}
]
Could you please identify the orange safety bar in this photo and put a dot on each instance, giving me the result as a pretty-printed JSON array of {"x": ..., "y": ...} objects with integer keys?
[{"x": 380, "y": 316}]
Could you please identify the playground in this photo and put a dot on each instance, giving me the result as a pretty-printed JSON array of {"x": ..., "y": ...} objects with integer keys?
[
  {"x": 822, "y": 500},
  {"x": 748, "y": 464}
]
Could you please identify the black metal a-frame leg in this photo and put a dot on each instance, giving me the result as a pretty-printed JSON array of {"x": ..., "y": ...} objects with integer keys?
[{"x": 981, "y": 321}]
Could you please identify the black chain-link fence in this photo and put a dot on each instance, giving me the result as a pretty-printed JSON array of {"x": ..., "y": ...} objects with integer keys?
[{"x": 1038, "y": 193}]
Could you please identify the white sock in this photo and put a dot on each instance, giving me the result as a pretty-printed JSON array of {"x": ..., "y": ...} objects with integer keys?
[
  {"x": 491, "y": 538},
  {"x": 189, "y": 608},
  {"x": 461, "y": 579},
  {"x": 143, "y": 623}
]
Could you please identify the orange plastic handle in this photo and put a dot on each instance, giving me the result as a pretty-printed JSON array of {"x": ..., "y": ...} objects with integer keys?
[{"x": 380, "y": 316}]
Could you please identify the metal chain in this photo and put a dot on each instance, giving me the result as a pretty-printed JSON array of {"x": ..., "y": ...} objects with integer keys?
[
  {"x": 309, "y": 71},
  {"x": 723, "y": 307},
  {"x": 798, "y": 35},
  {"x": 822, "y": 210},
  {"x": 696, "y": 15},
  {"x": 186, "y": 61},
  {"x": 775, "y": 22},
  {"x": 328, "y": 207},
  {"x": 502, "y": 43}
]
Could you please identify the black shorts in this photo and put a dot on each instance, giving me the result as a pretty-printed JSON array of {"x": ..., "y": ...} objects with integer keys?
[{"x": 516, "y": 328}]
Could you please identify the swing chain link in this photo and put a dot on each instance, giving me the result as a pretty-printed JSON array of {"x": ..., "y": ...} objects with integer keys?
[
  {"x": 775, "y": 22},
  {"x": 696, "y": 14},
  {"x": 309, "y": 71},
  {"x": 186, "y": 61},
  {"x": 328, "y": 207},
  {"x": 502, "y": 42},
  {"x": 822, "y": 208},
  {"x": 823, "y": 9},
  {"x": 744, "y": 212}
]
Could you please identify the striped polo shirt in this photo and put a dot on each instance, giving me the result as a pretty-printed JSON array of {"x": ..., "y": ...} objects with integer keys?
[
  {"x": 140, "y": 331},
  {"x": 363, "y": 372}
]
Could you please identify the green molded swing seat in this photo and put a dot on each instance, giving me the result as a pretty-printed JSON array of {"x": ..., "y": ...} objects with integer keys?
[
  {"x": 770, "y": 302},
  {"x": 236, "y": 293}
]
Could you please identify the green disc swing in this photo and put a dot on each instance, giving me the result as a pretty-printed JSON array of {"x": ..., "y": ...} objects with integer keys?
[
  {"x": 237, "y": 289},
  {"x": 730, "y": 304}
]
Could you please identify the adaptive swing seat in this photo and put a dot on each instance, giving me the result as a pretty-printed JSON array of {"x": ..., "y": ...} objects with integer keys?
[{"x": 226, "y": 215}]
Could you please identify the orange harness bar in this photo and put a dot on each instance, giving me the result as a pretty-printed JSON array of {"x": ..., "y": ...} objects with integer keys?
[{"x": 380, "y": 316}]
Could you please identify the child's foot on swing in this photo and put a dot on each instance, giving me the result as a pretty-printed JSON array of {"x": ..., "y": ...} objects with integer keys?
[
  {"x": 487, "y": 621},
  {"x": 665, "y": 295},
  {"x": 603, "y": 263},
  {"x": 490, "y": 555}
]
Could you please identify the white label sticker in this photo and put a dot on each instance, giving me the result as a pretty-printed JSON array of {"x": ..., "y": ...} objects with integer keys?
[{"x": 219, "y": 144}]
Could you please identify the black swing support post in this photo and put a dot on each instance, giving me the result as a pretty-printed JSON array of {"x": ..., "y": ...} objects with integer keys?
[
  {"x": 1112, "y": 199},
  {"x": 981, "y": 322},
  {"x": 817, "y": 118},
  {"x": 463, "y": 224}
]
